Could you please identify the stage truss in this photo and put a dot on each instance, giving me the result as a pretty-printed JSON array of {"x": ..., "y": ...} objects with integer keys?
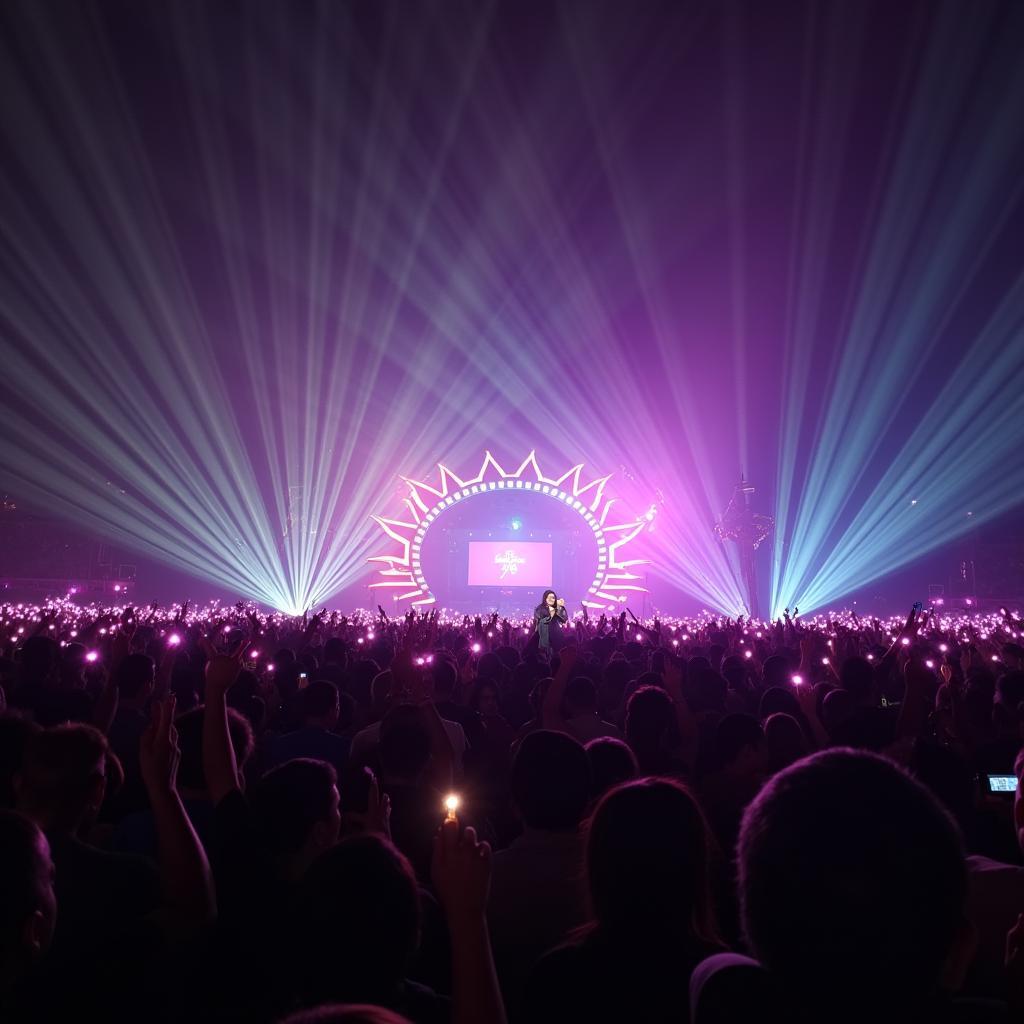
[{"x": 613, "y": 580}]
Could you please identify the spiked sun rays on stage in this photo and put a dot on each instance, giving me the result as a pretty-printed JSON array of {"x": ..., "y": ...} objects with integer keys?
[{"x": 614, "y": 576}]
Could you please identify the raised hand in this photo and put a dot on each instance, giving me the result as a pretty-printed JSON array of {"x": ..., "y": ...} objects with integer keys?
[
  {"x": 672, "y": 675},
  {"x": 158, "y": 749},
  {"x": 566, "y": 659},
  {"x": 222, "y": 669},
  {"x": 122, "y": 645},
  {"x": 461, "y": 872}
]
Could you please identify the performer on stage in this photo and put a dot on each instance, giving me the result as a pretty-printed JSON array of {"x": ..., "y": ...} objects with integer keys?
[{"x": 548, "y": 618}]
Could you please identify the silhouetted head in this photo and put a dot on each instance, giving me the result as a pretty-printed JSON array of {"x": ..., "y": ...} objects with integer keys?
[
  {"x": 445, "y": 677},
  {"x": 611, "y": 762},
  {"x": 857, "y": 678},
  {"x": 38, "y": 658},
  {"x": 551, "y": 781},
  {"x": 297, "y": 813},
  {"x": 581, "y": 695},
  {"x": 852, "y": 883},
  {"x": 649, "y": 714},
  {"x": 784, "y": 741},
  {"x": 357, "y": 923},
  {"x": 63, "y": 777},
  {"x": 404, "y": 747},
  {"x": 485, "y": 699},
  {"x": 319, "y": 703},
  {"x": 134, "y": 678},
  {"x": 647, "y": 864}
]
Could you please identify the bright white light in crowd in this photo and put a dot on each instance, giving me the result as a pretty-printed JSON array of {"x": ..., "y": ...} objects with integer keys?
[
  {"x": 675, "y": 643},
  {"x": 748, "y": 654},
  {"x": 489, "y": 633},
  {"x": 369, "y": 636},
  {"x": 905, "y": 641},
  {"x": 639, "y": 636},
  {"x": 451, "y": 805},
  {"x": 871, "y": 657},
  {"x": 254, "y": 655},
  {"x": 270, "y": 668},
  {"x": 92, "y": 656},
  {"x": 419, "y": 661},
  {"x": 824, "y": 661},
  {"x": 117, "y": 588},
  {"x": 476, "y": 647},
  {"x": 797, "y": 679},
  {"x": 174, "y": 640},
  {"x": 359, "y": 640},
  {"x": 943, "y": 648},
  {"x": 929, "y": 663}
]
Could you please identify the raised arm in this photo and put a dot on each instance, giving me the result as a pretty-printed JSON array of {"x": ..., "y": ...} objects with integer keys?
[
  {"x": 219, "y": 763},
  {"x": 672, "y": 675},
  {"x": 551, "y": 709},
  {"x": 188, "y": 897},
  {"x": 461, "y": 872}
]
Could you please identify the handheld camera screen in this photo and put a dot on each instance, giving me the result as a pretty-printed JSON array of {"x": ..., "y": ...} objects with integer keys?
[{"x": 1002, "y": 783}]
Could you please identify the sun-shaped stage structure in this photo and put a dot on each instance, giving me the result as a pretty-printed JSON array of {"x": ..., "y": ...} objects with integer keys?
[{"x": 613, "y": 577}]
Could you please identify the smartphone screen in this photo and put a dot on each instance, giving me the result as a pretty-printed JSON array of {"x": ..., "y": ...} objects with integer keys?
[{"x": 1002, "y": 783}]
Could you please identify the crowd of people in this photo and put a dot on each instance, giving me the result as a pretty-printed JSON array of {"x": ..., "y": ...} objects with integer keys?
[{"x": 219, "y": 813}]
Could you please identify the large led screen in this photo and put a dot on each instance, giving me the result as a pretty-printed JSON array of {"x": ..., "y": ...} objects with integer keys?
[{"x": 509, "y": 563}]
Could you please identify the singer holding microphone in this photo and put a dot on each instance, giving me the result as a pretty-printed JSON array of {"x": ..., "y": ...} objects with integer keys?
[{"x": 548, "y": 619}]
